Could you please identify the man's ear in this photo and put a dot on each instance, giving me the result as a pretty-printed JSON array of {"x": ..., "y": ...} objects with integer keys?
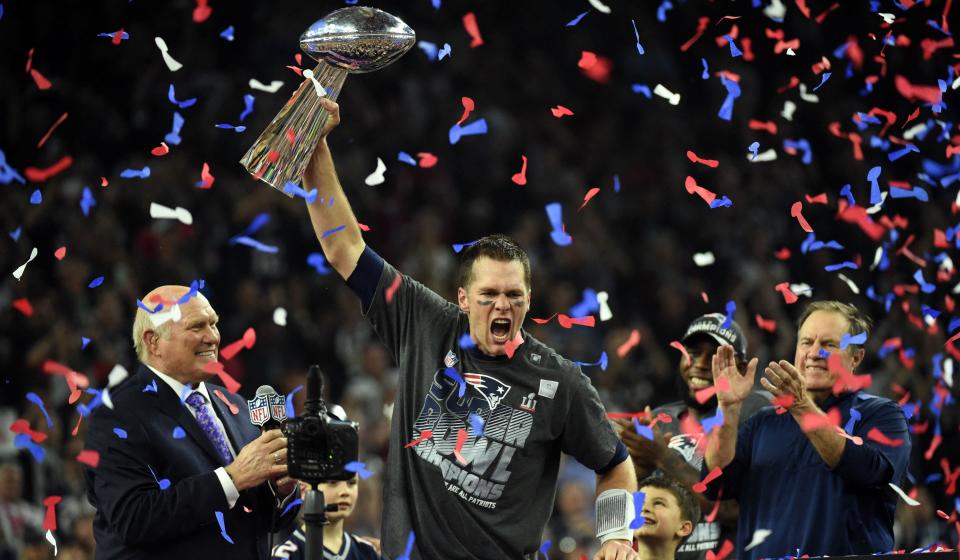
[
  {"x": 462, "y": 300},
  {"x": 150, "y": 340},
  {"x": 858, "y": 357},
  {"x": 686, "y": 527}
]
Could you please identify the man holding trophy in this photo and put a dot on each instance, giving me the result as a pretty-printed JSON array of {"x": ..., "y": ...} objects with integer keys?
[{"x": 483, "y": 409}]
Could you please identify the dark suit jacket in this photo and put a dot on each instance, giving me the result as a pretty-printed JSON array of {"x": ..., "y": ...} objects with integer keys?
[{"x": 135, "y": 518}]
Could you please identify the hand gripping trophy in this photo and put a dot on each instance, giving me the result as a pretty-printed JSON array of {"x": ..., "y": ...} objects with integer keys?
[{"x": 353, "y": 40}]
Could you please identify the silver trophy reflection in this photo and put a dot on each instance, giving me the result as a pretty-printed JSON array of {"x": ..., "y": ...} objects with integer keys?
[{"x": 352, "y": 40}]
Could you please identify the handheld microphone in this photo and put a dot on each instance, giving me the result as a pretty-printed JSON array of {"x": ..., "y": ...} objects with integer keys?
[{"x": 268, "y": 409}]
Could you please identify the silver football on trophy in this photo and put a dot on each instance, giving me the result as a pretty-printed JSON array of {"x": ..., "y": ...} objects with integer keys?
[{"x": 351, "y": 40}]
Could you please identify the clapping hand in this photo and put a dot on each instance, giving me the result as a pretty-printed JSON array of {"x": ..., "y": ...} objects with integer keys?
[{"x": 732, "y": 386}]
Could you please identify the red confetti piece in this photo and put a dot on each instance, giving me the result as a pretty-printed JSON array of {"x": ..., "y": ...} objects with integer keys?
[
  {"x": 39, "y": 79},
  {"x": 702, "y": 24},
  {"x": 510, "y": 347},
  {"x": 567, "y": 322},
  {"x": 710, "y": 517},
  {"x": 559, "y": 111},
  {"x": 521, "y": 177},
  {"x": 713, "y": 475},
  {"x": 704, "y": 395},
  {"x": 21, "y": 426},
  {"x": 461, "y": 439},
  {"x": 470, "y": 24},
  {"x": 804, "y": 9},
  {"x": 590, "y": 194},
  {"x": 876, "y": 435},
  {"x": 248, "y": 340},
  {"x": 788, "y": 296},
  {"x": 103, "y": 182},
  {"x": 393, "y": 287},
  {"x": 783, "y": 254},
  {"x": 60, "y": 253},
  {"x": 768, "y": 325},
  {"x": 818, "y": 199},
  {"x": 234, "y": 409},
  {"x": 117, "y": 37},
  {"x": 29, "y": 60},
  {"x": 705, "y": 297},
  {"x": 50, "y": 517},
  {"x": 819, "y": 67},
  {"x": 812, "y": 421},
  {"x": 424, "y": 435},
  {"x": 75, "y": 381},
  {"x": 468, "y": 106},
  {"x": 949, "y": 477},
  {"x": 427, "y": 160},
  {"x": 794, "y": 82},
  {"x": 89, "y": 457},
  {"x": 912, "y": 92},
  {"x": 37, "y": 175},
  {"x": 206, "y": 179},
  {"x": 769, "y": 126},
  {"x": 796, "y": 211},
  {"x": 725, "y": 549},
  {"x": 631, "y": 341},
  {"x": 201, "y": 12},
  {"x": 76, "y": 429},
  {"x": 161, "y": 150},
  {"x": 697, "y": 159},
  {"x": 823, "y": 15},
  {"x": 783, "y": 402},
  {"x": 934, "y": 443},
  {"x": 597, "y": 68},
  {"x": 228, "y": 381},
  {"x": 46, "y": 136},
  {"x": 858, "y": 215},
  {"x": 363, "y": 227},
  {"x": 23, "y": 306},
  {"x": 683, "y": 350},
  {"x": 693, "y": 188}
]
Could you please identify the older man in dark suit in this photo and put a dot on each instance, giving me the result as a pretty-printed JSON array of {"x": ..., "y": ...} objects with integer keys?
[{"x": 182, "y": 472}]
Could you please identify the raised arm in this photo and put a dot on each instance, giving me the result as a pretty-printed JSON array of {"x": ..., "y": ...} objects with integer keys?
[
  {"x": 342, "y": 248},
  {"x": 732, "y": 389}
]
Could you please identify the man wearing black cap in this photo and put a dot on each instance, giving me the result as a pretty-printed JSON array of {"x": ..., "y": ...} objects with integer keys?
[{"x": 672, "y": 449}]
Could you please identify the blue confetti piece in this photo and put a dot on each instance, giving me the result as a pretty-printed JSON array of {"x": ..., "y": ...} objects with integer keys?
[
  {"x": 954, "y": 324},
  {"x": 121, "y": 433},
  {"x": 754, "y": 149},
  {"x": 223, "y": 529},
  {"x": 637, "y": 35},
  {"x": 257, "y": 223},
  {"x": 466, "y": 341},
  {"x": 472, "y": 129},
  {"x": 848, "y": 193},
  {"x": 476, "y": 424},
  {"x": 23, "y": 441},
  {"x": 638, "y": 499},
  {"x": 916, "y": 192},
  {"x": 734, "y": 51},
  {"x": 855, "y": 339},
  {"x": 824, "y": 354},
  {"x": 875, "y": 197},
  {"x": 616, "y": 183},
  {"x": 290, "y": 411},
  {"x": 436, "y": 4},
  {"x": 163, "y": 484},
  {"x": 171, "y": 95},
  {"x": 924, "y": 287},
  {"x": 227, "y": 33},
  {"x": 712, "y": 422},
  {"x": 804, "y": 146},
  {"x": 706, "y": 70},
  {"x": 8, "y": 173},
  {"x": 662, "y": 10},
  {"x": 731, "y": 308},
  {"x": 409, "y": 548},
  {"x": 295, "y": 190},
  {"x": 15, "y": 234},
  {"x": 407, "y": 158},
  {"x": 319, "y": 263},
  {"x": 359, "y": 468},
  {"x": 457, "y": 247},
  {"x": 544, "y": 548},
  {"x": 576, "y": 20},
  {"x": 173, "y": 137},
  {"x": 643, "y": 431},
  {"x": 123, "y": 37},
  {"x": 602, "y": 362},
  {"x": 429, "y": 49},
  {"x": 96, "y": 282},
  {"x": 178, "y": 433},
  {"x": 455, "y": 375},
  {"x": 444, "y": 52},
  {"x": 36, "y": 197},
  {"x": 35, "y": 399},
  {"x": 291, "y": 505},
  {"x": 589, "y": 304},
  {"x": 333, "y": 231},
  {"x": 823, "y": 80},
  {"x": 642, "y": 89},
  {"x": 722, "y": 202},
  {"x": 841, "y": 266},
  {"x": 247, "y": 106},
  {"x": 87, "y": 201},
  {"x": 250, "y": 242},
  {"x": 894, "y": 156},
  {"x": 84, "y": 341},
  {"x": 555, "y": 215},
  {"x": 151, "y": 388},
  {"x": 238, "y": 129},
  {"x": 852, "y": 422},
  {"x": 136, "y": 173}
]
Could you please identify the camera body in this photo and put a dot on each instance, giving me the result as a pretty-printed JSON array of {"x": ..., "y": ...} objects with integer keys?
[{"x": 319, "y": 447}]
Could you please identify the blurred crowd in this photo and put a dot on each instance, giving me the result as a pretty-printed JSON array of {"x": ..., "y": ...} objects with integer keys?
[{"x": 635, "y": 240}]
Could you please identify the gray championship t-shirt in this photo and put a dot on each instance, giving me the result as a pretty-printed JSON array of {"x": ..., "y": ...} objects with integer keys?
[
  {"x": 475, "y": 492},
  {"x": 706, "y": 535}
]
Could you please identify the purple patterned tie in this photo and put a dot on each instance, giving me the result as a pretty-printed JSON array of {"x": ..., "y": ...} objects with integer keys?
[{"x": 198, "y": 402}]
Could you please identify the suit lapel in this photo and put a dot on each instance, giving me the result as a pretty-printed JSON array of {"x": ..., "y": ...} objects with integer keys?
[
  {"x": 238, "y": 425},
  {"x": 170, "y": 404}
]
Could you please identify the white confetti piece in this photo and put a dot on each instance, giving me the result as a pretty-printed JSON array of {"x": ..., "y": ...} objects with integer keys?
[
  {"x": 162, "y": 317},
  {"x": 802, "y": 289},
  {"x": 889, "y": 18},
  {"x": 605, "y": 313},
  {"x": 704, "y": 259},
  {"x": 946, "y": 264},
  {"x": 161, "y": 212},
  {"x": 776, "y": 10},
  {"x": 172, "y": 64},
  {"x": 662, "y": 91},
  {"x": 909, "y": 501},
  {"x": 19, "y": 271},
  {"x": 879, "y": 206},
  {"x": 376, "y": 178},
  {"x": 272, "y": 88},
  {"x": 759, "y": 536},
  {"x": 280, "y": 316},
  {"x": 768, "y": 155},
  {"x": 948, "y": 372},
  {"x": 876, "y": 258},
  {"x": 602, "y": 8},
  {"x": 850, "y": 283},
  {"x": 911, "y": 132},
  {"x": 788, "y": 108},
  {"x": 116, "y": 375},
  {"x": 52, "y": 541},
  {"x": 321, "y": 92},
  {"x": 808, "y": 97},
  {"x": 791, "y": 52},
  {"x": 956, "y": 83}
]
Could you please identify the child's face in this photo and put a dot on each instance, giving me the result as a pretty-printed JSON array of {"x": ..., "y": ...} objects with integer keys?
[
  {"x": 341, "y": 492},
  {"x": 661, "y": 515}
]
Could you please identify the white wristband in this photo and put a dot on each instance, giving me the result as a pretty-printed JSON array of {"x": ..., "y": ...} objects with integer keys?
[{"x": 615, "y": 512}]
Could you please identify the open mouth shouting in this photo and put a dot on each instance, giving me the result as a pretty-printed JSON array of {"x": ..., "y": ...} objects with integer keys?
[{"x": 500, "y": 330}]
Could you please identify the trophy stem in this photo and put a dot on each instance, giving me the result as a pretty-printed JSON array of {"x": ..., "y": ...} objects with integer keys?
[{"x": 282, "y": 151}]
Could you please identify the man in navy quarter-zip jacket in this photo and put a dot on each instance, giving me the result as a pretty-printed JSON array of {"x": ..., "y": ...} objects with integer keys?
[{"x": 796, "y": 473}]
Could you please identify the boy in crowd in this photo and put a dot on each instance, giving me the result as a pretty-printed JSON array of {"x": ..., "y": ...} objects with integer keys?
[{"x": 670, "y": 512}]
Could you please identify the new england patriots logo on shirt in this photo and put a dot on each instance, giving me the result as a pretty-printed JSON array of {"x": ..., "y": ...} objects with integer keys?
[{"x": 491, "y": 388}]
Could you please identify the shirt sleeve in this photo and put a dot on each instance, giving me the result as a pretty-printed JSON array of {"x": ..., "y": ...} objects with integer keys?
[
  {"x": 731, "y": 481},
  {"x": 587, "y": 435},
  {"x": 365, "y": 277},
  {"x": 229, "y": 488},
  {"x": 874, "y": 464}
]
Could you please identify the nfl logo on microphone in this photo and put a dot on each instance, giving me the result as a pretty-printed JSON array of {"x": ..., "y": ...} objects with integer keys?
[{"x": 260, "y": 410}]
